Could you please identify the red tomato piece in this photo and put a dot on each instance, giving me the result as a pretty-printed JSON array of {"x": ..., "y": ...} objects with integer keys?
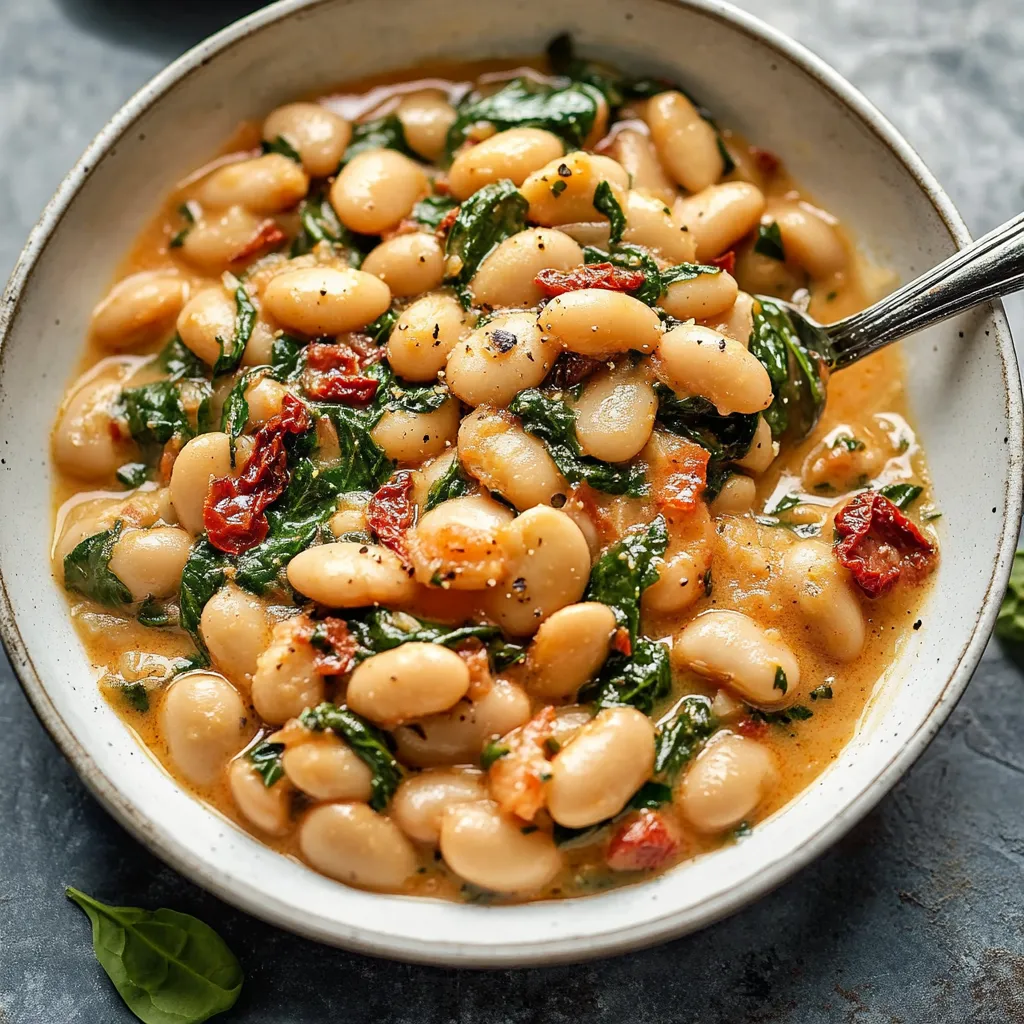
[
  {"x": 267, "y": 236},
  {"x": 621, "y": 641},
  {"x": 726, "y": 262},
  {"x": 687, "y": 479},
  {"x": 446, "y": 222},
  {"x": 234, "y": 510},
  {"x": 391, "y": 513},
  {"x": 765, "y": 159},
  {"x": 570, "y": 369},
  {"x": 332, "y": 375},
  {"x": 879, "y": 544},
  {"x": 643, "y": 843},
  {"x": 334, "y": 647},
  {"x": 751, "y": 728},
  {"x": 598, "y": 275}
]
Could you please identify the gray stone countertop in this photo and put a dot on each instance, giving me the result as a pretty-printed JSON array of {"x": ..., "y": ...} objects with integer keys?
[{"x": 916, "y": 916}]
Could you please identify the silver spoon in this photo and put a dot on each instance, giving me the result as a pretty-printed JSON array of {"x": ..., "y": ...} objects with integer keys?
[{"x": 985, "y": 269}]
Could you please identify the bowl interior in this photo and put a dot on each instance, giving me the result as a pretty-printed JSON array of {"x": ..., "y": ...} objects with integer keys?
[{"x": 964, "y": 393}]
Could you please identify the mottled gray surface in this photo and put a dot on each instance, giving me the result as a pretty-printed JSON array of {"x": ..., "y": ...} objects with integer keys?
[{"x": 915, "y": 917}]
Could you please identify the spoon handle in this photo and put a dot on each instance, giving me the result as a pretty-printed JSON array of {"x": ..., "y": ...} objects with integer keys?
[{"x": 990, "y": 267}]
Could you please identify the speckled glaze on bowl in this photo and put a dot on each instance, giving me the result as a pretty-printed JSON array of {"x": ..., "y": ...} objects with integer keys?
[{"x": 964, "y": 390}]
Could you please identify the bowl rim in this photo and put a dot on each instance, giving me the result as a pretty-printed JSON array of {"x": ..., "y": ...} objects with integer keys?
[{"x": 663, "y": 927}]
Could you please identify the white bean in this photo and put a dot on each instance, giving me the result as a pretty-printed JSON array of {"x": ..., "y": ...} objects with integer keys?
[
  {"x": 415, "y": 436},
  {"x": 490, "y": 850},
  {"x": 408, "y": 264},
  {"x": 286, "y": 680},
  {"x": 568, "y": 650},
  {"x": 704, "y": 296},
  {"x": 351, "y": 843},
  {"x": 265, "y": 184},
  {"x": 201, "y": 460},
  {"x": 325, "y": 767},
  {"x": 325, "y": 300},
  {"x": 726, "y": 782},
  {"x": 562, "y": 192},
  {"x": 350, "y": 575},
  {"x": 260, "y": 346},
  {"x": 732, "y": 648},
  {"x": 695, "y": 360},
  {"x": 265, "y": 398},
  {"x": 224, "y": 239},
  {"x": 606, "y": 762},
  {"x": 204, "y": 723},
  {"x": 809, "y": 238},
  {"x": 737, "y": 321},
  {"x": 686, "y": 143},
  {"x": 426, "y": 116},
  {"x": 639, "y": 158},
  {"x": 736, "y": 496},
  {"x": 421, "y": 800},
  {"x": 680, "y": 583},
  {"x": 548, "y": 568},
  {"x": 317, "y": 134},
  {"x": 499, "y": 360},
  {"x": 207, "y": 323},
  {"x": 599, "y": 323},
  {"x": 719, "y": 216},
  {"x": 149, "y": 562},
  {"x": 376, "y": 189},
  {"x": 615, "y": 414},
  {"x": 139, "y": 310},
  {"x": 235, "y": 630},
  {"x": 505, "y": 459},
  {"x": 268, "y": 808},
  {"x": 649, "y": 222},
  {"x": 424, "y": 334},
  {"x": 762, "y": 449},
  {"x": 507, "y": 277},
  {"x": 513, "y": 154},
  {"x": 86, "y": 441}
]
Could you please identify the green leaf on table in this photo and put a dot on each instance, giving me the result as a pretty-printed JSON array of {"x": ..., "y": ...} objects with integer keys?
[
  {"x": 168, "y": 967},
  {"x": 87, "y": 569}
]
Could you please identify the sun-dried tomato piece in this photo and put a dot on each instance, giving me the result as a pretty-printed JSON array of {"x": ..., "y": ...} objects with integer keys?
[
  {"x": 598, "y": 275},
  {"x": 752, "y": 728},
  {"x": 643, "y": 843},
  {"x": 334, "y": 647},
  {"x": 621, "y": 641},
  {"x": 234, "y": 509},
  {"x": 879, "y": 544},
  {"x": 766, "y": 160},
  {"x": 517, "y": 779},
  {"x": 726, "y": 262},
  {"x": 570, "y": 369},
  {"x": 332, "y": 375},
  {"x": 446, "y": 222},
  {"x": 268, "y": 235},
  {"x": 686, "y": 479},
  {"x": 391, "y": 513}
]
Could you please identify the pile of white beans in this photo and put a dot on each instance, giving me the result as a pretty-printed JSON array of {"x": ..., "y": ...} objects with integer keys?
[{"x": 522, "y": 562}]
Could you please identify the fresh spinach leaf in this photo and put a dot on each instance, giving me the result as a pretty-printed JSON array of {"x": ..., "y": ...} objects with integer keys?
[
  {"x": 245, "y": 319},
  {"x": 727, "y": 438},
  {"x": 626, "y": 569},
  {"x": 380, "y": 133},
  {"x": 639, "y": 680},
  {"x": 453, "y": 483},
  {"x": 201, "y": 578},
  {"x": 902, "y": 495},
  {"x": 168, "y": 967},
  {"x": 154, "y": 413},
  {"x": 132, "y": 474},
  {"x": 769, "y": 241},
  {"x": 431, "y": 210},
  {"x": 568, "y": 112},
  {"x": 607, "y": 205},
  {"x": 682, "y": 736},
  {"x": 267, "y": 759},
  {"x": 179, "y": 362},
  {"x": 87, "y": 569},
  {"x": 367, "y": 741},
  {"x": 554, "y": 422},
  {"x": 492, "y": 214}
]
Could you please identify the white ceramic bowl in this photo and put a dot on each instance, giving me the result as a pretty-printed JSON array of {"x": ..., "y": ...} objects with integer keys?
[{"x": 964, "y": 391}]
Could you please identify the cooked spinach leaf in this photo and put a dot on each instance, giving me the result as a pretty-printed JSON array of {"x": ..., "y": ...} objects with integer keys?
[
  {"x": 615, "y": 86},
  {"x": 267, "y": 759},
  {"x": 431, "y": 210},
  {"x": 366, "y": 740},
  {"x": 153, "y": 613},
  {"x": 319, "y": 223},
  {"x": 607, "y": 205},
  {"x": 154, "y": 413},
  {"x": 681, "y": 738},
  {"x": 631, "y": 257},
  {"x": 380, "y": 133},
  {"x": 188, "y": 216},
  {"x": 639, "y": 680},
  {"x": 179, "y": 362},
  {"x": 823, "y": 692},
  {"x": 902, "y": 495},
  {"x": 796, "y": 360},
  {"x": 795, "y": 713},
  {"x": 453, "y": 483},
  {"x": 769, "y": 241},
  {"x": 380, "y": 329},
  {"x": 235, "y": 413},
  {"x": 686, "y": 272},
  {"x": 493, "y": 751},
  {"x": 626, "y": 569},
  {"x": 727, "y": 438},
  {"x": 492, "y": 214},
  {"x": 568, "y": 112},
  {"x": 282, "y": 146},
  {"x": 168, "y": 967},
  {"x": 87, "y": 569},
  {"x": 201, "y": 578},
  {"x": 245, "y": 319},
  {"x": 285, "y": 357},
  {"x": 132, "y": 474},
  {"x": 136, "y": 696},
  {"x": 554, "y": 422}
]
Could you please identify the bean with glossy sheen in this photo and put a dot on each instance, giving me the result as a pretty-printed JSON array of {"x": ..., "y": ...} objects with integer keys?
[
  {"x": 421, "y": 800},
  {"x": 490, "y": 850},
  {"x": 286, "y": 680},
  {"x": 426, "y": 116},
  {"x": 268, "y": 808},
  {"x": 726, "y": 783},
  {"x": 821, "y": 589},
  {"x": 548, "y": 568},
  {"x": 736, "y": 496},
  {"x": 325, "y": 767},
  {"x": 599, "y": 323},
  {"x": 507, "y": 277},
  {"x": 568, "y": 650},
  {"x": 762, "y": 449},
  {"x": 259, "y": 349},
  {"x": 139, "y": 310},
  {"x": 353, "y": 844},
  {"x": 325, "y": 300},
  {"x": 200, "y": 461},
  {"x": 505, "y": 459},
  {"x": 695, "y": 360},
  {"x": 317, "y": 134},
  {"x": 499, "y": 360},
  {"x": 680, "y": 583},
  {"x": 639, "y": 158},
  {"x": 719, "y": 216},
  {"x": 456, "y": 543},
  {"x": 350, "y": 575},
  {"x": 265, "y": 398},
  {"x": 615, "y": 414},
  {"x": 226, "y": 238},
  {"x": 704, "y": 296},
  {"x": 607, "y": 761},
  {"x": 204, "y": 723},
  {"x": 580, "y": 173},
  {"x": 424, "y": 334},
  {"x": 737, "y": 322},
  {"x": 407, "y": 682},
  {"x": 649, "y": 222},
  {"x": 84, "y": 444},
  {"x": 149, "y": 562},
  {"x": 376, "y": 189},
  {"x": 408, "y": 264},
  {"x": 415, "y": 436},
  {"x": 235, "y": 630},
  {"x": 265, "y": 184},
  {"x": 686, "y": 143},
  {"x": 207, "y": 319},
  {"x": 732, "y": 648},
  {"x": 514, "y": 154},
  {"x": 809, "y": 238}
]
